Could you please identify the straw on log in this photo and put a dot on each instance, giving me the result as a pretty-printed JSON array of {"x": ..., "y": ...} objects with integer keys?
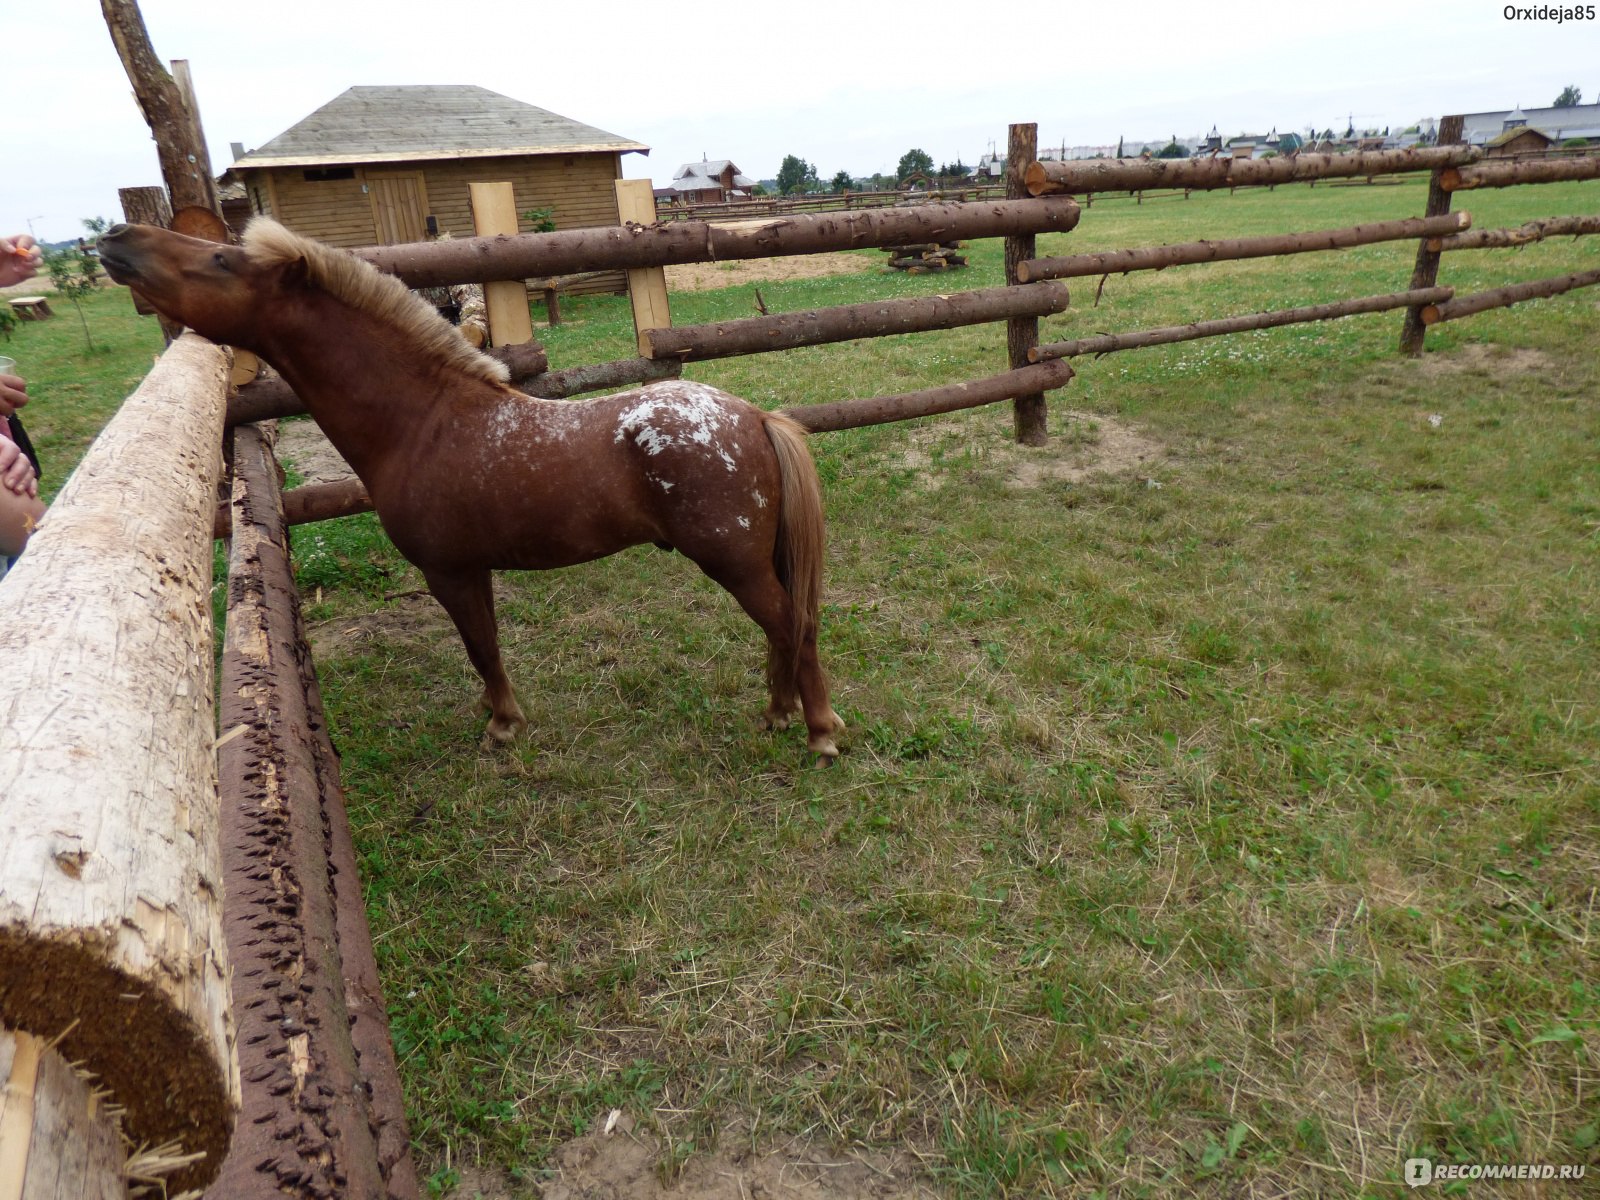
[
  {"x": 59, "y": 1140},
  {"x": 1106, "y": 343},
  {"x": 1155, "y": 258},
  {"x": 846, "y": 322},
  {"x": 110, "y": 888}
]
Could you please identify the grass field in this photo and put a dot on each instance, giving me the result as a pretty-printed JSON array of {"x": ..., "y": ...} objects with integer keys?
[{"x": 1223, "y": 824}]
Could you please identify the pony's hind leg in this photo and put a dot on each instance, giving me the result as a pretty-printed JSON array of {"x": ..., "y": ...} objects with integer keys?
[
  {"x": 469, "y": 599},
  {"x": 792, "y": 678}
]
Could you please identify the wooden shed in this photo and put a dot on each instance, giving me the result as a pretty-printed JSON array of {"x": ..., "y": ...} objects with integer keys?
[{"x": 373, "y": 164}]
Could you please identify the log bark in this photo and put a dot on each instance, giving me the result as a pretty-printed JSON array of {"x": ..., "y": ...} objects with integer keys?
[
  {"x": 1533, "y": 231},
  {"x": 1106, "y": 343},
  {"x": 322, "y": 1113},
  {"x": 1509, "y": 174},
  {"x": 881, "y": 410},
  {"x": 623, "y": 247},
  {"x": 174, "y": 122},
  {"x": 1155, "y": 258},
  {"x": 307, "y": 504},
  {"x": 1477, "y": 302},
  {"x": 783, "y": 331},
  {"x": 110, "y": 886},
  {"x": 58, "y": 1141},
  {"x": 1118, "y": 175},
  {"x": 1426, "y": 272},
  {"x": 1028, "y": 413},
  {"x": 594, "y": 377}
]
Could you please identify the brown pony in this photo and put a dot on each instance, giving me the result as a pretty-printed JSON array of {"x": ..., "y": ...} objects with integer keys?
[{"x": 469, "y": 475}]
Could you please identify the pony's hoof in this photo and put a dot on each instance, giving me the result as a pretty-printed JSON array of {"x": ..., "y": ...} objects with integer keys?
[
  {"x": 775, "y": 721},
  {"x": 838, "y": 721},
  {"x": 825, "y": 750},
  {"x": 499, "y": 736}
]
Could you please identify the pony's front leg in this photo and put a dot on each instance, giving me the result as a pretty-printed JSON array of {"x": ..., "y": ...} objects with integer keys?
[{"x": 469, "y": 599}]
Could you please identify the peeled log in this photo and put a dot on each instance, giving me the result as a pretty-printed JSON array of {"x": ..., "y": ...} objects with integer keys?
[
  {"x": 877, "y": 318},
  {"x": 1509, "y": 174},
  {"x": 623, "y": 247},
  {"x": 1154, "y": 258},
  {"x": 1106, "y": 343},
  {"x": 881, "y": 410},
  {"x": 1533, "y": 231},
  {"x": 58, "y": 1141},
  {"x": 110, "y": 887},
  {"x": 1126, "y": 175},
  {"x": 1477, "y": 302}
]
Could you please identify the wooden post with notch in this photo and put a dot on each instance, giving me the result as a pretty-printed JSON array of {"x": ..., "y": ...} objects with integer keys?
[
  {"x": 494, "y": 211},
  {"x": 1022, "y": 333},
  {"x": 1426, "y": 273},
  {"x": 647, "y": 286}
]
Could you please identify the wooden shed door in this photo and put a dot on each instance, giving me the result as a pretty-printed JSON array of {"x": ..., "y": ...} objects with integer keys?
[{"x": 399, "y": 202}]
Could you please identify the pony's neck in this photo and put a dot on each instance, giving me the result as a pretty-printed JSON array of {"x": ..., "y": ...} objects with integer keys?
[{"x": 378, "y": 398}]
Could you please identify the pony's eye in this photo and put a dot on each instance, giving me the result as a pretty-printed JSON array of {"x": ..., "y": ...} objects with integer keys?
[{"x": 221, "y": 260}]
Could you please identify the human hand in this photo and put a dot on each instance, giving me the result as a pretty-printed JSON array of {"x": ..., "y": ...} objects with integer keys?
[
  {"x": 16, "y": 472},
  {"x": 13, "y": 394},
  {"x": 19, "y": 259}
]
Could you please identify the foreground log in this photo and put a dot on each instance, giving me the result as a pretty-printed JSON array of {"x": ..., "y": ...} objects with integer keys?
[
  {"x": 881, "y": 410},
  {"x": 322, "y": 1109},
  {"x": 1126, "y": 175},
  {"x": 1106, "y": 343},
  {"x": 1155, "y": 258},
  {"x": 110, "y": 881},
  {"x": 1477, "y": 302},
  {"x": 1509, "y": 174},
  {"x": 623, "y": 247},
  {"x": 58, "y": 1140},
  {"x": 783, "y": 331},
  {"x": 1523, "y": 235}
]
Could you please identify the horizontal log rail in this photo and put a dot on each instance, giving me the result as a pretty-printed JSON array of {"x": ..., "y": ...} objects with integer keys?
[
  {"x": 847, "y": 322},
  {"x": 1124, "y": 175},
  {"x": 1156, "y": 258},
  {"x": 307, "y": 503},
  {"x": 1107, "y": 343},
  {"x": 1509, "y": 174},
  {"x": 628, "y": 247},
  {"x": 882, "y": 410},
  {"x": 1502, "y": 297},
  {"x": 1523, "y": 235}
]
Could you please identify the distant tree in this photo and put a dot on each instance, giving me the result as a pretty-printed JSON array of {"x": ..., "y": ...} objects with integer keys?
[
  {"x": 758, "y": 190},
  {"x": 841, "y": 182},
  {"x": 796, "y": 175},
  {"x": 913, "y": 161},
  {"x": 1172, "y": 150},
  {"x": 75, "y": 273},
  {"x": 1119, "y": 145},
  {"x": 955, "y": 170},
  {"x": 1570, "y": 97}
]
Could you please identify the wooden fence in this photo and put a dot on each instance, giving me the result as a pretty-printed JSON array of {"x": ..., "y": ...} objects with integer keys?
[{"x": 257, "y": 857}]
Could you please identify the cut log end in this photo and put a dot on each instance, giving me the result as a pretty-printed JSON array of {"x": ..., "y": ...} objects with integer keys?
[{"x": 1430, "y": 314}]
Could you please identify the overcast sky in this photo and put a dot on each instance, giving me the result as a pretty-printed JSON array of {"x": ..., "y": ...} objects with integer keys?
[{"x": 849, "y": 85}]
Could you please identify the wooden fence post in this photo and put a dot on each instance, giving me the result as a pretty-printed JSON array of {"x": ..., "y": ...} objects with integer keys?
[
  {"x": 1426, "y": 273},
  {"x": 1022, "y": 333},
  {"x": 647, "y": 286},
  {"x": 494, "y": 211}
]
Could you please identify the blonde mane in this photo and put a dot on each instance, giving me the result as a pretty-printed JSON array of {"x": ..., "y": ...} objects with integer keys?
[{"x": 361, "y": 285}]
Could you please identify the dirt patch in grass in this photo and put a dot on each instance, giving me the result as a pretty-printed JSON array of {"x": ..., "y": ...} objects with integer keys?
[
  {"x": 402, "y": 619},
  {"x": 700, "y": 277},
  {"x": 1086, "y": 446},
  {"x": 303, "y": 446},
  {"x": 627, "y": 1165},
  {"x": 1477, "y": 357}
]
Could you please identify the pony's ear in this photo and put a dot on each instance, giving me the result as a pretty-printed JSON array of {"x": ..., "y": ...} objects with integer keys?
[{"x": 296, "y": 272}]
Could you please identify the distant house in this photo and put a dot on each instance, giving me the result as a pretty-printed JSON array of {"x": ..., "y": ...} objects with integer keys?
[
  {"x": 1558, "y": 124},
  {"x": 1519, "y": 139},
  {"x": 375, "y": 163},
  {"x": 710, "y": 181},
  {"x": 990, "y": 167}
]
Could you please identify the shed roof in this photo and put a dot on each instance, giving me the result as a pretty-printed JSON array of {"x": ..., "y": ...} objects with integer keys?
[{"x": 408, "y": 123}]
